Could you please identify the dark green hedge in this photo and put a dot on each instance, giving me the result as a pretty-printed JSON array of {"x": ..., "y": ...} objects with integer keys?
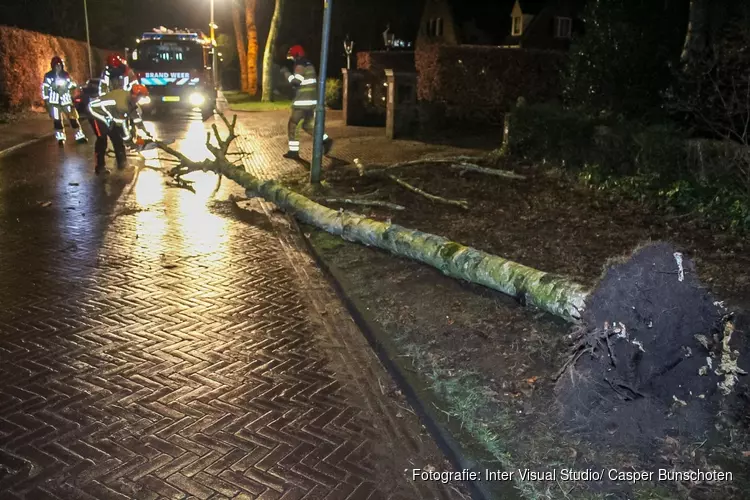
[
  {"x": 25, "y": 58},
  {"x": 481, "y": 83},
  {"x": 655, "y": 163}
]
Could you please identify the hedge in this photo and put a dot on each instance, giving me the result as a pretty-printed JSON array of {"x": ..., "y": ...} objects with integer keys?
[
  {"x": 334, "y": 93},
  {"x": 481, "y": 83},
  {"x": 653, "y": 163},
  {"x": 25, "y": 57},
  {"x": 378, "y": 61}
]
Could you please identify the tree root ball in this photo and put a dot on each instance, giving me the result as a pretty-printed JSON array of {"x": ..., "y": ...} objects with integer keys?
[{"x": 644, "y": 362}]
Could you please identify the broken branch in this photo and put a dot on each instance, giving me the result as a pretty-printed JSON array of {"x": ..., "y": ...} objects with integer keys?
[
  {"x": 363, "y": 171},
  {"x": 365, "y": 203}
]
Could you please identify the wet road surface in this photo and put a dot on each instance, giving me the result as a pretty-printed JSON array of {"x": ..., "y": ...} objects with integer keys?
[{"x": 153, "y": 346}]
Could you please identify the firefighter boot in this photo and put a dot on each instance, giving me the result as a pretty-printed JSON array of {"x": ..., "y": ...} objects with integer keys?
[
  {"x": 292, "y": 155},
  {"x": 81, "y": 137},
  {"x": 60, "y": 136}
]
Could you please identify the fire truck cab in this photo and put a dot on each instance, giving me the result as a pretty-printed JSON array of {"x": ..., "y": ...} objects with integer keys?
[{"x": 175, "y": 66}]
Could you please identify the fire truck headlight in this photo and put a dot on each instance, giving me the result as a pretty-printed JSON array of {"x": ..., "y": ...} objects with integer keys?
[
  {"x": 144, "y": 100},
  {"x": 197, "y": 99}
]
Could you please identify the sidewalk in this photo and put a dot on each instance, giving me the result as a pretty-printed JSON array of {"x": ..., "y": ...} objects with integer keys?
[
  {"x": 187, "y": 350},
  {"x": 25, "y": 130},
  {"x": 265, "y": 135}
]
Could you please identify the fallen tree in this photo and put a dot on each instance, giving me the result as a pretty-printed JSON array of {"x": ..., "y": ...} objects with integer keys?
[
  {"x": 652, "y": 354},
  {"x": 555, "y": 294}
]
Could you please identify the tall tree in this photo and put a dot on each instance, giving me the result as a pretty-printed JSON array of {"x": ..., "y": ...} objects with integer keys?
[
  {"x": 239, "y": 35},
  {"x": 268, "y": 71},
  {"x": 696, "y": 37},
  {"x": 622, "y": 62},
  {"x": 251, "y": 30}
]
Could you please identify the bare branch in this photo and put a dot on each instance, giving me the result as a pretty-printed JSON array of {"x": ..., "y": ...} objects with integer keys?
[
  {"x": 366, "y": 203},
  {"x": 470, "y": 167},
  {"x": 363, "y": 171}
]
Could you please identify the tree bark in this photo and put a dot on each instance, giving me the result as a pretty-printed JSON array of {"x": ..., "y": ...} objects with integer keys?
[
  {"x": 252, "y": 47},
  {"x": 241, "y": 45},
  {"x": 270, "y": 50},
  {"x": 697, "y": 36},
  {"x": 555, "y": 294}
]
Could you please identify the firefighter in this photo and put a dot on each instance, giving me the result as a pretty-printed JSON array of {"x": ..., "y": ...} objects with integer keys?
[
  {"x": 117, "y": 74},
  {"x": 304, "y": 80},
  {"x": 117, "y": 116},
  {"x": 57, "y": 89}
]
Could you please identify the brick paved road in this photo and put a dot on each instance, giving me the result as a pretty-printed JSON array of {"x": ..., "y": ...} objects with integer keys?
[{"x": 169, "y": 345}]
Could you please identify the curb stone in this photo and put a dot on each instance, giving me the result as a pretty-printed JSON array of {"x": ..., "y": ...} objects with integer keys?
[
  {"x": 421, "y": 402},
  {"x": 22, "y": 145}
]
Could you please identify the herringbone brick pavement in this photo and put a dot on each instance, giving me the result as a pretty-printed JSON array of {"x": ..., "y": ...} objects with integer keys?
[
  {"x": 265, "y": 135},
  {"x": 186, "y": 353}
]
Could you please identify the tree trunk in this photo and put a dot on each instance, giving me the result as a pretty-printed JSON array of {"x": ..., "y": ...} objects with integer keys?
[
  {"x": 270, "y": 52},
  {"x": 555, "y": 294},
  {"x": 241, "y": 47},
  {"x": 252, "y": 47},
  {"x": 697, "y": 36},
  {"x": 552, "y": 293}
]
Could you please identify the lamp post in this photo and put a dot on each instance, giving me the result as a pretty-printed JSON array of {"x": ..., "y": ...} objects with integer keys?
[
  {"x": 320, "y": 108},
  {"x": 213, "y": 47},
  {"x": 88, "y": 38},
  {"x": 348, "y": 49}
]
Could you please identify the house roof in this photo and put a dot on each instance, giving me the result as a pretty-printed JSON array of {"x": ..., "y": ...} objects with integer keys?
[
  {"x": 491, "y": 17},
  {"x": 532, "y": 7}
]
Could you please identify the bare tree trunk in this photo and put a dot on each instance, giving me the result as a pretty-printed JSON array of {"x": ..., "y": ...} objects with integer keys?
[
  {"x": 270, "y": 51},
  {"x": 696, "y": 39},
  {"x": 555, "y": 294},
  {"x": 241, "y": 46},
  {"x": 252, "y": 47}
]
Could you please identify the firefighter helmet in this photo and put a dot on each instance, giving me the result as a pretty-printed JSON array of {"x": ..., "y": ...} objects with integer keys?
[
  {"x": 295, "y": 52},
  {"x": 138, "y": 90},
  {"x": 115, "y": 61},
  {"x": 55, "y": 61}
]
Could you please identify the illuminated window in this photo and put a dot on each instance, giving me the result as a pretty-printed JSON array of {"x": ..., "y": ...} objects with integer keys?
[{"x": 517, "y": 25}]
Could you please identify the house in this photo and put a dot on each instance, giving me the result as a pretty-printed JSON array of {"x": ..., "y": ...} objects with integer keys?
[{"x": 541, "y": 24}]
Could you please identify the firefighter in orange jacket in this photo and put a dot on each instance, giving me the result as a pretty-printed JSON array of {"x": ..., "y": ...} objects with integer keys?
[
  {"x": 305, "y": 81},
  {"x": 57, "y": 93},
  {"x": 117, "y": 117}
]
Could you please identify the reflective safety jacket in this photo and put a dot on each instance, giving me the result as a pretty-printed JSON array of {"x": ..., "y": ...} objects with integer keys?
[
  {"x": 57, "y": 89},
  {"x": 305, "y": 79},
  {"x": 111, "y": 79},
  {"x": 117, "y": 107}
]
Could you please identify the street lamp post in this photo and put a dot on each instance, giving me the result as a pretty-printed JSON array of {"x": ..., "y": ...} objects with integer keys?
[
  {"x": 320, "y": 108},
  {"x": 88, "y": 38},
  {"x": 348, "y": 49},
  {"x": 213, "y": 47}
]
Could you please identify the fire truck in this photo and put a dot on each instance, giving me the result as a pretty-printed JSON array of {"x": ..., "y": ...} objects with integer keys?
[{"x": 175, "y": 66}]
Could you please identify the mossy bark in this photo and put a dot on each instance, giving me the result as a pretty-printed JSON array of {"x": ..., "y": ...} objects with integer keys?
[{"x": 555, "y": 294}]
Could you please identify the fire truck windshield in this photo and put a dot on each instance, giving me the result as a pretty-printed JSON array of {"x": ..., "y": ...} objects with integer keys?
[{"x": 161, "y": 55}]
